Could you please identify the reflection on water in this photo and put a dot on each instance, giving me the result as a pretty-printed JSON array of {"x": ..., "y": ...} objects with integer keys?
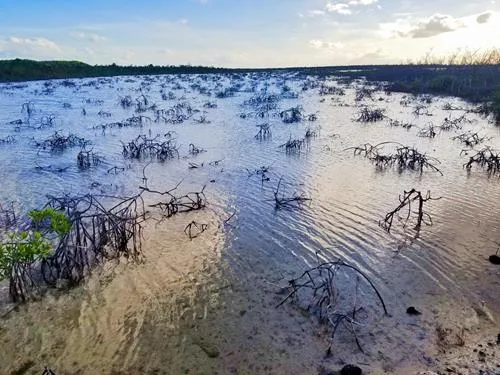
[{"x": 208, "y": 305}]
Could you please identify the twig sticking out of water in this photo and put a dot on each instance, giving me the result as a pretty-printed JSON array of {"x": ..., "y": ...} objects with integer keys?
[
  {"x": 262, "y": 172},
  {"x": 194, "y": 229},
  {"x": 154, "y": 148},
  {"x": 420, "y": 110},
  {"x": 405, "y": 157},
  {"x": 454, "y": 123},
  {"x": 264, "y": 132},
  {"x": 294, "y": 201},
  {"x": 487, "y": 158},
  {"x": 404, "y": 125},
  {"x": 294, "y": 145},
  {"x": 176, "y": 204},
  {"x": 59, "y": 142},
  {"x": 193, "y": 150},
  {"x": 370, "y": 115},
  {"x": 405, "y": 203},
  {"x": 470, "y": 139},
  {"x": 320, "y": 286},
  {"x": 292, "y": 115},
  {"x": 85, "y": 159},
  {"x": 428, "y": 132}
]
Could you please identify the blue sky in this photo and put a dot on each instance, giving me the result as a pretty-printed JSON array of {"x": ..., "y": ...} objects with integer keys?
[{"x": 244, "y": 33}]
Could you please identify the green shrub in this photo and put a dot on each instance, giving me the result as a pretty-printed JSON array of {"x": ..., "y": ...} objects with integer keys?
[
  {"x": 22, "y": 248},
  {"x": 59, "y": 222}
]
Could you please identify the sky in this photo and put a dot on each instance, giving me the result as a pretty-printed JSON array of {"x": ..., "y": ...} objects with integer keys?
[{"x": 245, "y": 33}]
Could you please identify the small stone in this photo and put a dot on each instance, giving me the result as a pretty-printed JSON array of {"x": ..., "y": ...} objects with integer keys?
[
  {"x": 351, "y": 370},
  {"x": 482, "y": 356},
  {"x": 412, "y": 311}
]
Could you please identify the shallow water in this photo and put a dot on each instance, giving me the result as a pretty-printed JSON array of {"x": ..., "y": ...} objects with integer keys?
[{"x": 219, "y": 290}]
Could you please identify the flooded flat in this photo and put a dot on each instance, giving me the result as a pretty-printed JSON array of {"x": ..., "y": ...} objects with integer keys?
[{"x": 208, "y": 305}]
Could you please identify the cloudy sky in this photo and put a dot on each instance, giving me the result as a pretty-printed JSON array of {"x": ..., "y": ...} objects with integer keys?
[{"x": 244, "y": 33}]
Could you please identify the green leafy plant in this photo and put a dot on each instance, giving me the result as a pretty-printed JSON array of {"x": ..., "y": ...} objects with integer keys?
[
  {"x": 22, "y": 247},
  {"x": 58, "y": 222}
]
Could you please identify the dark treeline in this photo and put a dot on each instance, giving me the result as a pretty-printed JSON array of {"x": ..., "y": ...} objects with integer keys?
[
  {"x": 28, "y": 70},
  {"x": 474, "y": 82}
]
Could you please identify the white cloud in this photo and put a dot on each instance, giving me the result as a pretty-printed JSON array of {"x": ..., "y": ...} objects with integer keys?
[
  {"x": 362, "y": 2},
  {"x": 321, "y": 44},
  {"x": 37, "y": 43},
  {"x": 29, "y": 47},
  {"x": 316, "y": 12},
  {"x": 339, "y": 8},
  {"x": 95, "y": 38},
  {"x": 423, "y": 28},
  {"x": 346, "y": 8}
]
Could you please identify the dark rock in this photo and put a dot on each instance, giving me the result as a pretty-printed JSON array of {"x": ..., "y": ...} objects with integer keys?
[
  {"x": 495, "y": 259},
  {"x": 351, "y": 370},
  {"x": 412, "y": 311},
  {"x": 498, "y": 339}
]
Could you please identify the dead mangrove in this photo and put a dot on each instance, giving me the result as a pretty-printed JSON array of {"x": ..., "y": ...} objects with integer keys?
[
  {"x": 194, "y": 229},
  {"x": 175, "y": 204},
  {"x": 366, "y": 114},
  {"x": 470, "y": 139},
  {"x": 264, "y": 132},
  {"x": 295, "y": 200},
  {"x": 404, "y": 157},
  {"x": 331, "y": 291},
  {"x": 406, "y": 202},
  {"x": 292, "y": 115},
  {"x": 58, "y": 142},
  {"x": 487, "y": 158},
  {"x": 86, "y": 159},
  {"x": 159, "y": 148}
]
